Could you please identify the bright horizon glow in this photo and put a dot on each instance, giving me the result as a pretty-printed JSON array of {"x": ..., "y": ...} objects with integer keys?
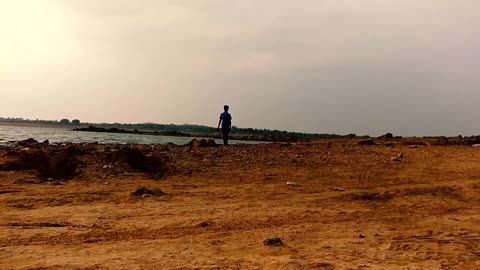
[{"x": 367, "y": 67}]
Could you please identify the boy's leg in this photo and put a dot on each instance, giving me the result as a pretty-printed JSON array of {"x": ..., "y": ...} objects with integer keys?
[{"x": 225, "y": 135}]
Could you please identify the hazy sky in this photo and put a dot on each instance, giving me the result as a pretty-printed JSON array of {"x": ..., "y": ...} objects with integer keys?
[{"x": 331, "y": 66}]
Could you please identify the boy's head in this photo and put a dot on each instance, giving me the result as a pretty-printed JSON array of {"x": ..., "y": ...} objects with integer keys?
[{"x": 226, "y": 107}]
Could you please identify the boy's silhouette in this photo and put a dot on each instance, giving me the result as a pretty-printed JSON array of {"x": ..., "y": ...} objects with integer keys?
[{"x": 226, "y": 122}]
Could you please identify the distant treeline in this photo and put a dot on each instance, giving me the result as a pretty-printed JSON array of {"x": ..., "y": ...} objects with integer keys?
[{"x": 185, "y": 128}]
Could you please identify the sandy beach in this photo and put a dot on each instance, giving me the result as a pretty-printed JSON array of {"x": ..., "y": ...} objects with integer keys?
[{"x": 332, "y": 206}]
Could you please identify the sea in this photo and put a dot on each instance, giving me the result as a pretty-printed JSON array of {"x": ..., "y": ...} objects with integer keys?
[{"x": 10, "y": 134}]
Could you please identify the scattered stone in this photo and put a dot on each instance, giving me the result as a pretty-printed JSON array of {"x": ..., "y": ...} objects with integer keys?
[
  {"x": 276, "y": 242},
  {"x": 361, "y": 235},
  {"x": 339, "y": 189},
  {"x": 366, "y": 142},
  {"x": 141, "y": 191},
  {"x": 398, "y": 157},
  {"x": 413, "y": 146},
  {"x": 294, "y": 184}
]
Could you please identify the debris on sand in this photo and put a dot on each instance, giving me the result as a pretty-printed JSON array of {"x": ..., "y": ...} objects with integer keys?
[
  {"x": 146, "y": 192},
  {"x": 275, "y": 242},
  {"x": 367, "y": 142}
]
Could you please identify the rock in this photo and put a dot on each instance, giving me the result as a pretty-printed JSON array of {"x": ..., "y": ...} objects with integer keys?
[
  {"x": 366, "y": 142},
  {"x": 339, "y": 189},
  {"x": 46, "y": 142},
  {"x": 476, "y": 145},
  {"x": 413, "y": 146},
  {"x": 276, "y": 242},
  {"x": 146, "y": 192},
  {"x": 361, "y": 235},
  {"x": 27, "y": 142}
]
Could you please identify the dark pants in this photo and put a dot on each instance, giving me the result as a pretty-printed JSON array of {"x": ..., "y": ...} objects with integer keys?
[{"x": 225, "y": 131}]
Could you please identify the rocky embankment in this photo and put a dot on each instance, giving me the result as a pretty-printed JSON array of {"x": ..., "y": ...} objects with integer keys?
[{"x": 243, "y": 137}]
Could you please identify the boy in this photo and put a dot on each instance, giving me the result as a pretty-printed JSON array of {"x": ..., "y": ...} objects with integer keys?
[{"x": 226, "y": 122}]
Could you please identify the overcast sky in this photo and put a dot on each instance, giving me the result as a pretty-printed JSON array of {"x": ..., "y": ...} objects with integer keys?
[{"x": 330, "y": 66}]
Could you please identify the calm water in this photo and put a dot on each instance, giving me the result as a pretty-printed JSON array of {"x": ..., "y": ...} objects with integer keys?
[{"x": 59, "y": 135}]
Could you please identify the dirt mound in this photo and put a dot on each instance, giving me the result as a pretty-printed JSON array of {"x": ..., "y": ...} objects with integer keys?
[
  {"x": 56, "y": 164},
  {"x": 137, "y": 160}
]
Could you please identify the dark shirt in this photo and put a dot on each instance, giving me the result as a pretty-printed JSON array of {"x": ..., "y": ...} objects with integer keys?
[{"x": 226, "y": 119}]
